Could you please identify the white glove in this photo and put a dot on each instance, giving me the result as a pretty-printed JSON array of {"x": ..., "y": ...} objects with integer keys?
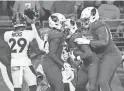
[
  {"x": 71, "y": 55},
  {"x": 66, "y": 65},
  {"x": 45, "y": 38},
  {"x": 82, "y": 40}
]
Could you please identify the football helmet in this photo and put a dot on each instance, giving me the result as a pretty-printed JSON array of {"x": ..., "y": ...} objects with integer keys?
[
  {"x": 88, "y": 16},
  {"x": 18, "y": 20},
  {"x": 56, "y": 20},
  {"x": 69, "y": 27}
]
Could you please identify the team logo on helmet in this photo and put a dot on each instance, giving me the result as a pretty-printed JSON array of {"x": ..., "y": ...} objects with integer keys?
[{"x": 56, "y": 20}]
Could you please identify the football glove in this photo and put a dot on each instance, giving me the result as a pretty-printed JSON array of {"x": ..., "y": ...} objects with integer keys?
[
  {"x": 71, "y": 55},
  {"x": 30, "y": 14},
  {"x": 82, "y": 40},
  {"x": 66, "y": 65}
]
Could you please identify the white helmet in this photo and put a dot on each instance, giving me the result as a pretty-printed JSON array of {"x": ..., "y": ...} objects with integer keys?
[
  {"x": 56, "y": 20},
  {"x": 88, "y": 16},
  {"x": 70, "y": 27}
]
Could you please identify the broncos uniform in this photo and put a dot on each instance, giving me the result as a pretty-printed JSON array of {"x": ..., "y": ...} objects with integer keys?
[{"x": 20, "y": 63}]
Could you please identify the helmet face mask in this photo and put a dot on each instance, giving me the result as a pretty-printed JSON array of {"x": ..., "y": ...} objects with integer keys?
[
  {"x": 69, "y": 27},
  {"x": 85, "y": 22}
]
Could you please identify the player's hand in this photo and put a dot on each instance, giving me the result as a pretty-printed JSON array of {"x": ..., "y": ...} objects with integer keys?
[
  {"x": 66, "y": 65},
  {"x": 71, "y": 55},
  {"x": 82, "y": 40},
  {"x": 31, "y": 21}
]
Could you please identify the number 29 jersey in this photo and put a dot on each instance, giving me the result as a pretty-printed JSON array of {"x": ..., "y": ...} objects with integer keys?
[{"x": 19, "y": 45}]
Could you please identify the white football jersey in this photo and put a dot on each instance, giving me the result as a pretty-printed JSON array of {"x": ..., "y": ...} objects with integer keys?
[{"x": 19, "y": 45}]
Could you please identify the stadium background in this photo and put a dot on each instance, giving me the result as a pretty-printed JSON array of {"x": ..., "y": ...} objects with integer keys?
[{"x": 5, "y": 25}]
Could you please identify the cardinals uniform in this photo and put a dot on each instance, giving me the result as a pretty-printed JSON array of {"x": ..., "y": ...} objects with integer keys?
[
  {"x": 108, "y": 53},
  {"x": 88, "y": 58},
  {"x": 103, "y": 45},
  {"x": 52, "y": 62}
]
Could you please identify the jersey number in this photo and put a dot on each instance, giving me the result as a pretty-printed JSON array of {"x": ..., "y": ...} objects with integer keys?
[{"x": 21, "y": 43}]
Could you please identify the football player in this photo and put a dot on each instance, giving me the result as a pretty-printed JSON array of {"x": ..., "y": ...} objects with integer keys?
[
  {"x": 102, "y": 44},
  {"x": 81, "y": 54},
  {"x": 19, "y": 40},
  {"x": 53, "y": 63}
]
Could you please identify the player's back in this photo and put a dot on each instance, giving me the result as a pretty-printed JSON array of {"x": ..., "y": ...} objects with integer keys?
[
  {"x": 19, "y": 43},
  {"x": 53, "y": 34}
]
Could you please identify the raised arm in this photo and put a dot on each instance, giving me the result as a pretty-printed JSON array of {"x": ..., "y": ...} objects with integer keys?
[{"x": 38, "y": 39}]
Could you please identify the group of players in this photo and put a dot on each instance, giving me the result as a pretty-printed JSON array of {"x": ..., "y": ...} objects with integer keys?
[{"x": 76, "y": 54}]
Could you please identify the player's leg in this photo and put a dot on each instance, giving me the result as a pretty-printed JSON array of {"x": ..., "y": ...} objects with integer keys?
[
  {"x": 30, "y": 77},
  {"x": 16, "y": 78},
  {"x": 53, "y": 74},
  {"x": 82, "y": 79},
  {"x": 107, "y": 68},
  {"x": 93, "y": 72}
]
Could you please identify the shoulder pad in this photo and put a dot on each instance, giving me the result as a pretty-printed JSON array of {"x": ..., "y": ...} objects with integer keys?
[
  {"x": 97, "y": 25},
  {"x": 54, "y": 34}
]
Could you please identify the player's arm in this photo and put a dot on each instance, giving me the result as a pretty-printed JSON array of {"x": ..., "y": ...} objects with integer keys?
[
  {"x": 38, "y": 39},
  {"x": 86, "y": 51},
  {"x": 103, "y": 37},
  {"x": 53, "y": 47}
]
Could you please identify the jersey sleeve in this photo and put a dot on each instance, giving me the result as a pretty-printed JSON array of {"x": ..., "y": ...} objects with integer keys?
[
  {"x": 103, "y": 37},
  {"x": 30, "y": 35}
]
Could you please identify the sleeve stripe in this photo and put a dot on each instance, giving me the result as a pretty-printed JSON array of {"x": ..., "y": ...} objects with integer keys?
[{"x": 107, "y": 37}]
